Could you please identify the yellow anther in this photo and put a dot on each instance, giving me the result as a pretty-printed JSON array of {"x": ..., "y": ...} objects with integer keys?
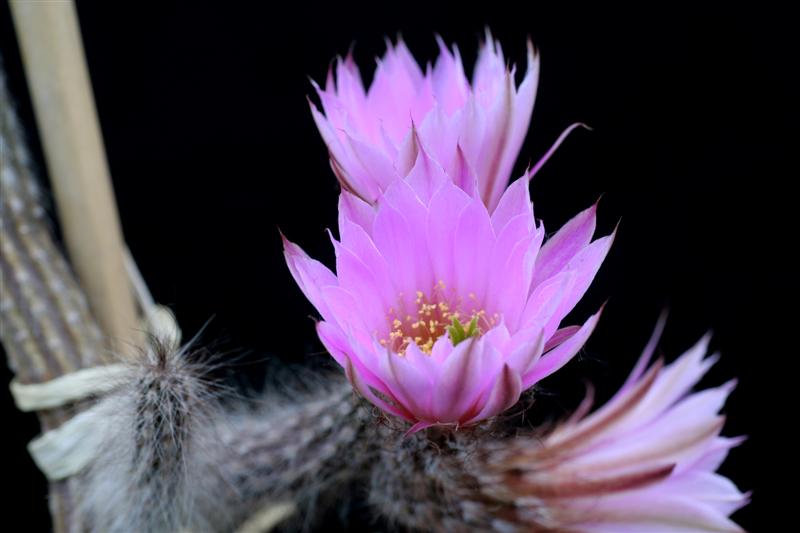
[{"x": 431, "y": 320}]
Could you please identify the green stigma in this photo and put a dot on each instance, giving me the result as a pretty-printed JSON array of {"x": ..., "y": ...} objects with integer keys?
[{"x": 457, "y": 332}]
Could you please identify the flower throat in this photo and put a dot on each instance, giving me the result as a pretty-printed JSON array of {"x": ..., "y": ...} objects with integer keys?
[{"x": 434, "y": 317}]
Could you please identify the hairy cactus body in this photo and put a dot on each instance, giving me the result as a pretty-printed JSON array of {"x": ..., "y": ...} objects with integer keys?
[
  {"x": 146, "y": 477},
  {"x": 178, "y": 457}
]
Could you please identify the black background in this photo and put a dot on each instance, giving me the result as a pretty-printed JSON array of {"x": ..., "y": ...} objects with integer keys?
[{"x": 212, "y": 148}]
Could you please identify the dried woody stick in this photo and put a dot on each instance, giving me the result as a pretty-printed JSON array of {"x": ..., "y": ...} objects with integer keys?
[{"x": 52, "y": 51}]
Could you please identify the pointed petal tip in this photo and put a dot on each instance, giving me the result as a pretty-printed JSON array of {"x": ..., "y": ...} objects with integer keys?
[
  {"x": 730, "y": 385},
  {"x": 702, "y": 345},
  {"x": 439, "y": 41},
  {"x": 738, "y": 441},
  {"x": 314, "y": 84},
  {"x": 331, "y": 237},
  {"x": 418, "y": 426},
  {"x": 534, "y": 57},
  {"x": 286, "y": 242},
  {"x": 351, "y": 50},
  {"x": 552, "y": 150},
  {"x": 613, "y": 234},
  {"x": 661, "y": 323},
  {"x": 317, "y": 325},
  {"x": 505, "y": 392},
  {"x": 487, "y": 36}
]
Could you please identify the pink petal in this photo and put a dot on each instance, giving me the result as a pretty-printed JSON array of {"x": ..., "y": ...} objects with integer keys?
[
  {"x": 677, "y": 379},
  {"x": 449, "y": 82},
  {"x": 310, "y": 275},
  {"x": 516, "y": 201},
  {"x": 342, "y": 350},
  {"x": 545, "y": 301},
  {"x": 356, "y": 380},
  {"x": 490, "y": 64},
  {"x": 504, "y": 394},
  {"x": 521, "y": 117},
  {"x": 463, "y": 175},
  {"x": 556, "y": 252},
  {"x": 647, "y": 353},
  {"x": 358, "y": 242},
  {"x": 404, "y": 207},
  {"x": 350, "y": 90},
  {"x": 525, "y": 356},
  {"x": 328, "y": 133},
  {"x": 419, "y": 426},
  {"x": 371, "y": 289},
  {"x": 511, "y": 270},
  {"x": 443, "y": 215},
  {"x": 347, "y": 313},
  {"x": 464, "y": 375},
  {"x": 439, "y": 134},
  {"x": 334, "y": 341},
  {"x": 585, "y": 265},
  {"x": 561, "y": 138},
  {"x": 560, "y": 336},
  {"x": 426, "y": 177},
  {"x": 558, "y": 357},
  {"x": 408, "y": 153},
  {"x": 356, "y": 210},
  {"x": 378, "y": 168},
  {"x": 393, "y": 238},
  {"x": 407, "y": 381},
  {"x": 499, "y": 121},
  {"x": 641, "y": 513},
  {"x": 473, "y": 237}
]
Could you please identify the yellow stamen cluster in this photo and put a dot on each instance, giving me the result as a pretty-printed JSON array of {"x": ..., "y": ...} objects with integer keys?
[{"x": 430, "y": 319}]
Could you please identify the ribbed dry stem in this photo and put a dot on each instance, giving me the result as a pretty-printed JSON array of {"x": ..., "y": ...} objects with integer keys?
[{"x": 45, "y": 324}]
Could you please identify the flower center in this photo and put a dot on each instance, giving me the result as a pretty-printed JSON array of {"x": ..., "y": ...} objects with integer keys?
[{"x": 433, "y": 316}]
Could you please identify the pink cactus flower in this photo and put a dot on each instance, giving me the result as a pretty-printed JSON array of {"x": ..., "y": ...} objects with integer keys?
[
  {"x": 372, "y": 134},
  {"x": 644, "y": 462},
  {"x": 442, "y": 312}
]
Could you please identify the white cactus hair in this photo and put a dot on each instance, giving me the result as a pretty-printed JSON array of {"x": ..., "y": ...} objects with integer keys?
[
  {"x": 182, "y": 452},
  {"x": 156, "y": 425}
]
